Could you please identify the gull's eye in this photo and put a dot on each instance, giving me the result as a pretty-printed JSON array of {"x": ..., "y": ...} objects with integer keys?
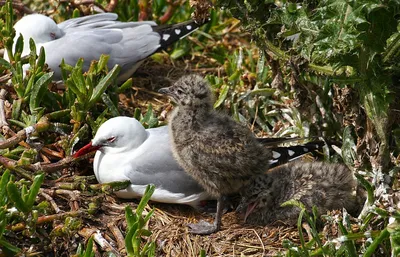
[{"x": 111, "y": 139}]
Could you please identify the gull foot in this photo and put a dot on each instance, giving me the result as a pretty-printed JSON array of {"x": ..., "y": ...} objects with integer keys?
[{"x": 202, "y": 228}]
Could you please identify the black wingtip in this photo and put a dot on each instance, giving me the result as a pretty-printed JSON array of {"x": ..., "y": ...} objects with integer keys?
[
  {"x": 171, "y": 33},
  {"x": 282, "y": 155}
]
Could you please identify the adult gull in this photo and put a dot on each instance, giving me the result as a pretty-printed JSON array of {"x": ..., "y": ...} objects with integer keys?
[{"x": 127, "y": 43}]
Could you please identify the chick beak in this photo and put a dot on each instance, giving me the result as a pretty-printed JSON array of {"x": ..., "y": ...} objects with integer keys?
[
  {"x": 250, "y": 209},
  {"x": 166, "y": 90},
  {"x": 87, "y": 149}
]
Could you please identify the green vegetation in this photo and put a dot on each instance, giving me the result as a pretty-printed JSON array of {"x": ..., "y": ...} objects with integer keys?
[{"x": 320, "y": 68}]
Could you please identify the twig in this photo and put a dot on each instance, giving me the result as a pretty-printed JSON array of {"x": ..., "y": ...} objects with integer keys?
[
  {"x": 259, "y": 238},
  {"x": 118, "y": 235},
  {"x": 64, "y": 163},
  {"x": 48, "y": 168},
  {"x": 46, "y": 219},
  {"x": 5, "y": 77},
  {"x": 51, "y": 200},
  {"x": 73, "y": 197},
  {"x": 3, "y": 120},
  {"x": 13, "y": 165},
  {"x": 111, "y": 5},
  {"x": 53, "y": 153},
  {"x": 170, "y": 11},
  {"x": 143, "y": 5},
  {"x": 21, "y": 135},
  {"x": 104, "y": 244}
]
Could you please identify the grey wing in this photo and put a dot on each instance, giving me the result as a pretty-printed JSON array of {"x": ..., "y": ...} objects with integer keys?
[
  {"x": 157, "y": 165},
  {"x": 99, "y": 21},
  {"x": 126, "y": 47}
]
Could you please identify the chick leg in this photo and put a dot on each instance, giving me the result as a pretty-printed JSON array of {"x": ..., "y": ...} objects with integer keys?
[{"x": 205, "y": 228}]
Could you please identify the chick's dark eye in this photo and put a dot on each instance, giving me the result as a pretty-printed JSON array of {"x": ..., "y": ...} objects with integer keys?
[
  {"x": 180, "y": 91},
  {"x": 111, "y": 139}
]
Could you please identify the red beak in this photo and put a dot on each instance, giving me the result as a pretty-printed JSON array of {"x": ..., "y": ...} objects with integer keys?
[{"x": 86, "y": 149}]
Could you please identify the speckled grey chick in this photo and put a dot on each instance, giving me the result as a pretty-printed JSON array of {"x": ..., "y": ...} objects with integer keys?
[
  {"x": 219, "y": 153},
  {"x": 324, "y": 185}
]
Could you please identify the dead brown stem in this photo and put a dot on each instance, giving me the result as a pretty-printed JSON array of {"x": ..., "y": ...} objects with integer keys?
[
  {"x": 143, "y": 5},
  {"x": 170, "y": 11},
  {"x": 3, "y": 121},
  {"x": 48, "y": 168},
  {"x": 104, "y": 244},
  {"x": 51, "y": 200},
  {"x": 73, "y": 197},
  {"x": 118, "y": 235},
  {"x": 12, "y": 165},
  {"x": 111, "y": 5},
  {"x": 21, "y": 135},
  {"x": 46, "y": 219}
]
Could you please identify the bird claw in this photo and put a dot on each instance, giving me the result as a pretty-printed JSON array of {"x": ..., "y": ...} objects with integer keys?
[{"x": 202, "y": 228}]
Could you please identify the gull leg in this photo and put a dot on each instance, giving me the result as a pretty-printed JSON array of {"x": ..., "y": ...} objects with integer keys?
[{"x": 205, "y": 228}]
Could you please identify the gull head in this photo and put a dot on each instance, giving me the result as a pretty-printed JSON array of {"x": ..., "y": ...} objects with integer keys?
[
  {"x": 116, "y": 135},
  {"x": 191, "y": 90},
  {"x": 40, "y": 28},
  {"x": 255, "y": 197}
]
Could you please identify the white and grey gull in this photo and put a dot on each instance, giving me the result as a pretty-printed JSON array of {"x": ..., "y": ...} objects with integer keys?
[
  {"x": 128, "y": 151},
  {"x": 88, "y": 37}
]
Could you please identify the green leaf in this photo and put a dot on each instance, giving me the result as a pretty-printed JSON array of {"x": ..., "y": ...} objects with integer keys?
[
  {"x": 39, "y": 90},
  {"x": 372, "y": 248},
  {"x": 177, "y": 53},
  {"x": 128, "y": 241},
  {"x": 103, "y": 84},
  {"x": 5, "y": 64},
  {"x": 89, "y": 248},
  {"x": 28, "y": 89},
  {"x": 145, "y": 199},
  {"x": 107, "y": 101},
  {"x": 222, "y": 95},
  {"x": 127, "y": 84},
  {"x": 129, "y": 216},
  {"x": 348, "y": 153},
  {"x": 5, "y": 178},
  {"x": 77, "y": 77},
  {"x": 14, "y": 195},
  {"x": 34, "y": 190},
  {"x": 72, "y": 86},
  {"x": 41, "y": 59},
  {"x": 294, "y": 203},
  {"x": 102, "y": 62},
  {"x": 9, "y": 246},
  {"x": 370, "y": 190},
  {"x": 19, "y": 46},
  {"x": 261, "y": 67},
  {"x": 350, "y": 247},
  {"x": 32, "y": 55},
  {"x": 148, "y": 216},
  {"x": 16, "y": 109},
  {"x": 300, "y": 230}
]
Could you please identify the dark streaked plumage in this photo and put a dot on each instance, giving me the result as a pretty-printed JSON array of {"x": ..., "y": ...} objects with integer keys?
[
  {"x": 327, "y": 186},
  {"x": 219, "y": 153}
]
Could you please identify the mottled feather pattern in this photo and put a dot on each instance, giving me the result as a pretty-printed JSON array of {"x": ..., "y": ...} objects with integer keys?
[
  {"x": 326, "y": 186},
  {"x": 218, "y": 152}
]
